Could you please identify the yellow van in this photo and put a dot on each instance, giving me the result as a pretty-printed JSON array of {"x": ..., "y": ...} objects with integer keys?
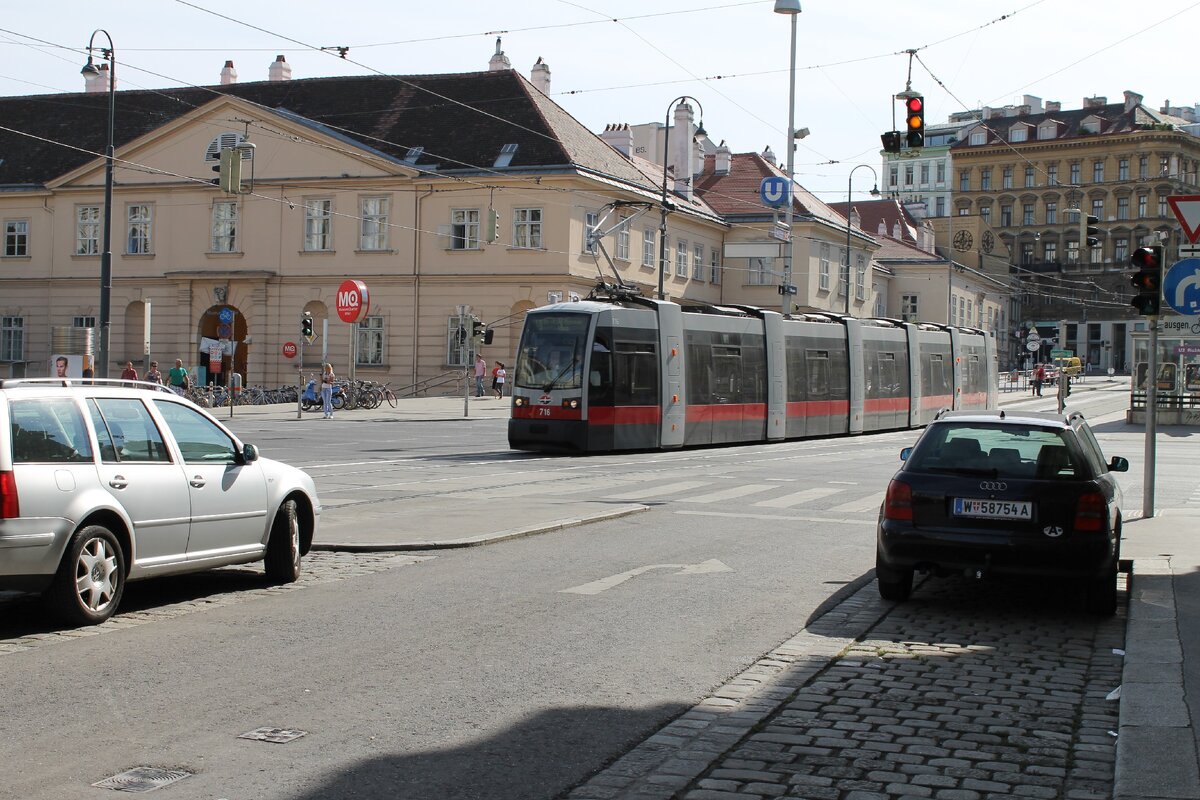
[{"x": 1070, "y": 365}]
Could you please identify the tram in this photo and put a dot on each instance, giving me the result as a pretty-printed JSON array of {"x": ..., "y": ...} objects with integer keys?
[{"x": 633, "y": 373}]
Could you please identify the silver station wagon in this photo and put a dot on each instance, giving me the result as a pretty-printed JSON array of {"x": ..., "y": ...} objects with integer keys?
[{"x": 106, "y": 481}]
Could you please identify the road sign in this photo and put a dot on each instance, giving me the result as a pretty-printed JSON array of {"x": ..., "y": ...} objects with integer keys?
[
  {"x": 1181, "y": 286},
  {"x": 353, "y": 301},
  {"x": 774, "y": 191},
  {"x": 1187, "y": 210},
  {"x": 780, "y": 231},
  {"x": 1189, "y": 250},
  {"x": 1033, "y": 345},
  {"x": 226, "y": 315},
  {"x": 1061, "y": 353},
  {"x": 289, "y": 349}
]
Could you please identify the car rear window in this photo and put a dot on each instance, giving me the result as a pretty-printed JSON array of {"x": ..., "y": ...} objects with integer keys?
[
  {"x": 1004, "y": 451},
  {"x": 48, "y": 430}
]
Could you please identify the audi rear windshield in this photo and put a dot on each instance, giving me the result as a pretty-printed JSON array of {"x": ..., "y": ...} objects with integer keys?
[{"x": 1001, "y": 451}]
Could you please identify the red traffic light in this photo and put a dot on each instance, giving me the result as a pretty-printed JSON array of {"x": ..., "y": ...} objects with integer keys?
[
  {"x": 1150, "y": 257},
  {"x": 1146, "y": 280},
  {"x": 915, "y": 105}
]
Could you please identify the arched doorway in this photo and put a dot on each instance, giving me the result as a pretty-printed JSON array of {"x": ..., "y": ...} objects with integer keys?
[{"x": 222, "y": 326}]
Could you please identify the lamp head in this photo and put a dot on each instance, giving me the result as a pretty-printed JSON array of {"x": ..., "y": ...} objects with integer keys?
[
  {"x": 89, "y": 69},
  {"x": 800, "y": 134},
  {"x": 787, "y": 6},
  {"x": 875, "y": 190}
]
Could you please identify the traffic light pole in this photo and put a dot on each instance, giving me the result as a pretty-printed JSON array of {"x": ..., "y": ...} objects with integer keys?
[{"x": 1151, "y": 421}]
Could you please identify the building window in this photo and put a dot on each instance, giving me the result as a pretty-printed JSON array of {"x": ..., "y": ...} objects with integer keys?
[
  {"x": 1098, "y": 208},
  {"x": 527, "y": 228},
  {"x": 141, "y": 219},
  {"x": 908, "y": 174},
  {"x": 1030, "y": 180},
  {"x": 458, "y": 344},
  {"x": 1026, "y": 252},
  {"x": 374, "y": 225},
  {"x": 1096, "y": 254},
  {"x": 1050, "y": 252},
  {"x": 843, "y": 273},
  {"x": 985, "y": 214},
  {"x": 714, "y": 265},
  {"x": 1164, "y": 165},
  {"x": 1018, "y": 134},
  {"x": 649, "y": 251},
  {"x": 908, "y": 308},
  {"x": 370, "y": 342},
  {"x": 1162, "y": 205},
  {"x": 1052, "y": 174},
  {"x": 87, "y": 230},
  {"x": 939, "y": 204},
  {"x": 964, "y": 180},
  {"x": 1051, "y": 213},
  {"x": 622, "y": 233},
  {"x": 318, "y": 224},
  {"x": 978, "y": 137},
  {"x": 1097, "y": 171},
  {"x": 1072, "y": 252},
  {"x": 860, "y": 278},
  {"x": 1120, "y": 249},
  {"x": 893, "y": 176},
  {"x": 698, "y": 263},
  {"x": 1141, "y": 206},
  {"x": 1122, "y": 208},
  {"x": 1027, "y": 214},
  {"x": 985, "y": 179},
  {"x": 1143, "y": 167},
  {"x": 665, "y": 266},
  {"x": 1123, "y": 169},
  {"x": 464, "y": 229},
  {"x": 941, "y": 172},
  {"x": 590, "y": 221},
  {"x": 224, "y": 227},
  {"x": 12, "y": 338},
  {"x": 954, "y": 318},
  {"x": 823, "y": 269},
  {"x": 924, "y": 174},
  {"x": 1007, "y": 177},
  {"x": 681, "y": 258},
  {"x": 86, "y": 321},
  {"x": 762, "y": 272},
  {"x": 1006, "y": 216},
  {"x": 1076, "y": 169},
  {"x": 16, "y": 237}
]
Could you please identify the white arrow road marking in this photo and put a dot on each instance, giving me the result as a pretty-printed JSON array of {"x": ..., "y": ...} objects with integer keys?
[
  {"x": 1186, "y": 283},
  {"x": 596, "y": 587}
]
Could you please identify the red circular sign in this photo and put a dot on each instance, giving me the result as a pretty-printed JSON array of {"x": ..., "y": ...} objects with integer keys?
[
  {"x": 289, "y": 349},
  {"x": 353, "y": 301}
]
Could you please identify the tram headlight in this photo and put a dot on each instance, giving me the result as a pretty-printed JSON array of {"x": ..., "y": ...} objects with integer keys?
[
  {"x": 571, "y": 403},
  {"x": 520, "y": 402}
]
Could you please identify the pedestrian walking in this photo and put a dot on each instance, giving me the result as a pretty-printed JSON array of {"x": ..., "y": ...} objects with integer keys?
[
  {"x": 498, "y": 379},
  {"x": 152, "y": 374},
  {"x": 327, "y": 391},
  {"x": 177, "y": 378},
  {"x": 1039, "y": 377},
  {"x": 480, "y": 369},
  {"x": 129, "y": 373}
]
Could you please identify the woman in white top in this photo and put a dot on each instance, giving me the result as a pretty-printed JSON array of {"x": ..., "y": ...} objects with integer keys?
[
  {"x": 501, "y": 374},
  {"x": 327, "y": 391}
]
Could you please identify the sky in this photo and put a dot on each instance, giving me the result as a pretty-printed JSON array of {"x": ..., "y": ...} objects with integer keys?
[{"x": 626, "y": 61}]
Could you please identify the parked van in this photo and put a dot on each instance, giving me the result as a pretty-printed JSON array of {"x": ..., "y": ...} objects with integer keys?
[{"x": 1071, "y": 365}]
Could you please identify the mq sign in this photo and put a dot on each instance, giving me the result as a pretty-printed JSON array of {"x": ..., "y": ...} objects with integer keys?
[{"x": 353, "y": 301}]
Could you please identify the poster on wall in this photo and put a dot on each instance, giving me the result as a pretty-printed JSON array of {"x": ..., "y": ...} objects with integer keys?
[
  {"x": 1191, "y": 377},
  {"x": 67, "y": 366}
]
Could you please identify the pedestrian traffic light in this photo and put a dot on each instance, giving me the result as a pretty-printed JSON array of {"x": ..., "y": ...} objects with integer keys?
[
  {"x": 1148, "y": 261},
  {"x": 914, "y": 108},
  {"x": 306, "y": 326},
  {"x": 492, "y": 232},
  {"x": 476, "y": 328},
  {"x": 1089, "y": 234},
  {"x": 891, "y": 141}
]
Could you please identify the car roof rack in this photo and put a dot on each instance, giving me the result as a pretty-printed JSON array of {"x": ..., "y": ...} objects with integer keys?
[{"x": 66, "y": 383}]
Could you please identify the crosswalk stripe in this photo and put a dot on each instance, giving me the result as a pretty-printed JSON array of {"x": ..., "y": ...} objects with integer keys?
[
  {"x": 658, "y": 491},
  {"x": 730, "y": 493},
  {"x": 796, "y": 498},
  {"x": 868, "y": 503}
]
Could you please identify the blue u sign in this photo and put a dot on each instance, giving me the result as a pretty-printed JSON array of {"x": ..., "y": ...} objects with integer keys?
[
  {"x": 774, "y": 191},
  {"x": 1181, "y": 286}
]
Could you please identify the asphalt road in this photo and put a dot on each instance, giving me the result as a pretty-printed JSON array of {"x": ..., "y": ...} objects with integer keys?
[{"x": 509, "y": 671}]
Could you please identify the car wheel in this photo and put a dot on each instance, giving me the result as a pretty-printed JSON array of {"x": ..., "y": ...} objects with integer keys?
[
  {"x": 894, "y": 584},
  {"x": 283, "y": 548},
  {"x": 90, "y": 579},
  {"x": 1101, "y": 595}
]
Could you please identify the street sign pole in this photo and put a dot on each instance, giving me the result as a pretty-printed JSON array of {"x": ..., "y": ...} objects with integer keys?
[
  {"x": 1151, "y": 421},
  {"x": 300, "y": 380}
]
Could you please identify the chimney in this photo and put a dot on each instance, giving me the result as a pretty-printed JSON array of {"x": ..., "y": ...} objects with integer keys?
[
  {"x": 619, "y": 137},
  {"x": 228, "y": 74},
  {"x": 768, "y": 155},
  {"x": 855, "y": 218},
  {"x": 499, "y": 61},
  {"x": 1034, "y": 103},
  {"x": 1132, "y": 100},
  {"x": 1053, "y": 106},
  {"x": 539, "y": 76},
  {"x": 723, "y": 160},
  {"x": 882, "y": 229},
  {"x": 93, "y": 84},
  {"x": 897, "y": 234},
  {"x": 1095, "y": 102},
  {"x": 280, "y": 70},
  {"x": 684, "y": 167}
]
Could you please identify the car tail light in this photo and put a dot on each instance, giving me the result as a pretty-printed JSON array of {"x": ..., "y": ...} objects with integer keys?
[
  {"x": 9, "y": 509},
  {"x": 898, "y": 502},
  {"x": 1090, "y": 511}
]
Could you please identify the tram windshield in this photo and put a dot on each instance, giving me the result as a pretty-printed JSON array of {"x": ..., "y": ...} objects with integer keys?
[{"x": 552, "y": 351}]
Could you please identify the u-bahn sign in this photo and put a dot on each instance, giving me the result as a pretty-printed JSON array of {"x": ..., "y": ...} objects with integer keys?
[{"x": 353, "y": 301}]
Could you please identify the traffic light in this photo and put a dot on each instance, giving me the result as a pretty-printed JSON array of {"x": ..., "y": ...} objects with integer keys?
[
  {"x": 1089, "y": 234},
  {"x": 476, "y": 328},
  {"x": 306, "y": 327},
  {"x": 914, "y": 108},
  {"x": 1148, "y": 261},
  {"x": 891, "y": 141},
  {"x": 492, "y": 233},
  {"x": 231, "y": 171}
]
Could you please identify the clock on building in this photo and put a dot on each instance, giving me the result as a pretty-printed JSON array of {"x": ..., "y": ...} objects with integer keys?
[
  {"x": 963, "y": 241},
  {"x": 989, "y": 241}
]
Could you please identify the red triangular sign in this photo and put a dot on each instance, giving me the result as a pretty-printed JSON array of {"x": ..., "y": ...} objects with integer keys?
[{"x": 1187, "y": 211}]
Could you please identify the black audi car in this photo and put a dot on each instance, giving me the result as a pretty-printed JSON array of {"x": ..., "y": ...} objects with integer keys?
[{"x": 986, "y": 493}]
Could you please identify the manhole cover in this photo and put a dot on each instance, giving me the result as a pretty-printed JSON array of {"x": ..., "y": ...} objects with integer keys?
[
  {"x": 142, "y": 779},
  {"x": 276, "y": 735}
]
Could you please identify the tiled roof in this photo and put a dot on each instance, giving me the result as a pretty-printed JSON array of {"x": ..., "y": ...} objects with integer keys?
[
  {"x": 736, "y": 193},
  {"x": 1115, "y": 120},
  {"x": 889, "y": 212},
  {"x": 462, "y": 120}
]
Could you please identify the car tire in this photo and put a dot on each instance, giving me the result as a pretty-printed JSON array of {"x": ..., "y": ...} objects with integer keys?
[
  {"x": 91, "y": 578},
  {"x": 282, "y": 562},
  {"x": 894, "y": 584}
]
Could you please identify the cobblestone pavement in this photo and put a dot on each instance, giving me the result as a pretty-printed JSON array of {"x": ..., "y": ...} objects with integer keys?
[
  {"x": 24, "y": 626},
  {"x": 966, "y": 692}
]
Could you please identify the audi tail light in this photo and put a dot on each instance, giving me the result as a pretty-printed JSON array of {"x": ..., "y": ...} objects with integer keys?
[
  {"x": 897, "y": 504},
  {"x": 1090, "y": 511},
  {"x": 9, "y": 508}
]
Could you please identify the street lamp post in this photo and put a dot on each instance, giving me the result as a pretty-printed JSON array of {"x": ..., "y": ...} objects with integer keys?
[
  {"x": 108, "y": 53},
  {"x": 667, "y": 205},
  {"x": 849, "y": 206},
  {"x": 792, "y": 9}
]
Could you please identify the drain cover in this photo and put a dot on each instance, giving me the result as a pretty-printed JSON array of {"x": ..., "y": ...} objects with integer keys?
[
  {"x": 275, "y": 735},
  {"x": 142, "y": 779}
]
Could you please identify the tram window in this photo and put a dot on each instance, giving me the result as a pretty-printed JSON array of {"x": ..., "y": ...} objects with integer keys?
[
  {"x": 635, "y": 374},
  {"x": 699, "y": 373},
  {"x": 889, "y": 383},
  {"x": 817, "y": 362},
  {"x": 600, "y": 384},
  {"x": 754, "y": 371},
  {"x": 727, "y": 374}
]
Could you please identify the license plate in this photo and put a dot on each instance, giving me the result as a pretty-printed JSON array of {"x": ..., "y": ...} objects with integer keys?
[{"x": 993, "y": 509}]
